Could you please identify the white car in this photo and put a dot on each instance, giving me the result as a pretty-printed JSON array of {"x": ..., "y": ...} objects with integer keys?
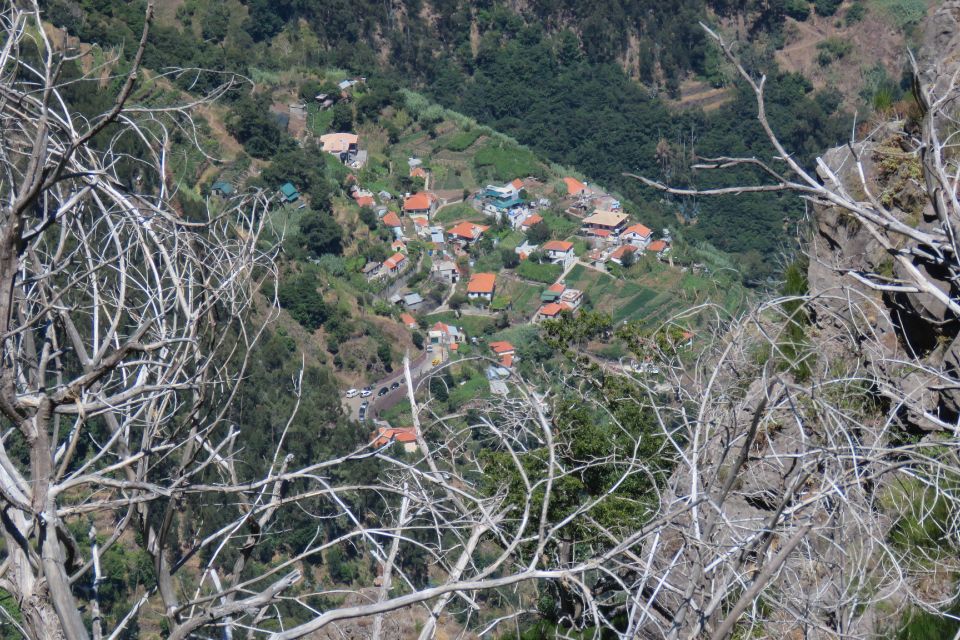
[
  {"x": 366, "y": 393},
  {"x": 352, "y": 393}
]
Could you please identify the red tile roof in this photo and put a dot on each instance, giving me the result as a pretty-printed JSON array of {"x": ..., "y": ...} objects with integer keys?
[
  {"x": 408, "y": 320},
  {"x": 557, "y": 287},
  {"x": 419, "y": 201},
  {"x": 501, "y": 347},
  {"x": 558, "y": 245},
  {"x": 622, "y": 251},
  {"x": 574, "y": 186},
  {"x": 364, "y": 201},
  {"x": 640, "y": 229},
  {"x": 392, "y": 220},
  {"x": 384, "y": 435},
  {"x": 482, "y": 283},
  {"x": 418, "y": 172},
  {"x": 394, "y": 261},
  {"x": 553, "y": 309},
  {"x": 657, "y": 246},
  {"x": 531, "y": 220},
  {"x": 517, "y": 184},
  {"x": 507, "y": 360},
  {"x": 467, "y": 230}
]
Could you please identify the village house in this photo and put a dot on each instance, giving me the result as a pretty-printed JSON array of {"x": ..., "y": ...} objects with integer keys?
[
  {"x": 529, "y": 221},
  {"x": 659, "y": 247},
  {"x": 436, "y": 236},
  {"x": 638, "y": 235},
  {"x": 525, "y": 249},
  {"x": 445, "y": 271},
  {"x": 559, "y": 251},
  {"x": 552, "y": 293},
  {"x": 466, "y": 232},
  {"x": 408, "y": 320},
  {"x": 550, "y": 311},
  {"x": 422, "y": 226},
  {"x": 395, "y": 263},
  {"x": 412, "y": 300},
  {"x": 574, "y": 187},
  {"x": 418, "y": 172},
  {"x": 482, "y": 286},
  {"x": 392, "y": 221},
  {"x": 445, "y": 334},
  {"x": 398, "y": 245},
  {"x": 222, "y": 189},
  {"x": 505, "y": 197},
  {"x": 620, "y": 252},
  {"x": 371, "y": 269},
  {"x": 572, "y": 298},
  {"x": 423, "y": 203},
  {"x": 605, "y": 224},
  {"x": 407, "y": 436},
  {"x": 341, "y": 145},
  {"x": 504, "y": 351},
  {"x": 363, "y": 197},
  {"x": 289, "y": 192}
]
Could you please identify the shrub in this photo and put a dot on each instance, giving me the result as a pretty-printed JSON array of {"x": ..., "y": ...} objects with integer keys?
[
  {"x": 797, "y": 9},
  {"x": 826, "y": 7}
]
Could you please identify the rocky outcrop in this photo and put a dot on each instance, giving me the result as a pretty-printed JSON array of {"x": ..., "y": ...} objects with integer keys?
[{"x": 907, "y": 338}]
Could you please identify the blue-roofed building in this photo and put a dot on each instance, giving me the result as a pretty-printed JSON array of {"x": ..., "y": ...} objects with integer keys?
[
  {"x": 223, "y": 189},
  {"x": 502, "y": 198},
  {"x": 289, "y": 192}
]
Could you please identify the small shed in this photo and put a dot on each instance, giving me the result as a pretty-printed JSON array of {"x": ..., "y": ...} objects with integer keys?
[
  {"x": 289, "y": 192},
  {"x": 222, "y": 189}
]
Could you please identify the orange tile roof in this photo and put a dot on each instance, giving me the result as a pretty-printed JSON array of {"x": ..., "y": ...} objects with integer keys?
[
  {"x": 622, "y": 251},
  {"x": 553, "y": 309},
  {"x": 455, "y": 346},
  {"x": 364, "y": 201},
  {"x": 408, "y": 319},
  {"x": 439, "y": 326},
  {"x": 395, "y": 260},
  {"x": 532, "y": 220},
  {"x": 418, "y": 172},
  {"x": 467, "y": 230},
  {"x": 398, "y": 245},
  {"x": 419, "y": 201},
  {"x": 657, "y": 246},
  {"x": 501, "y": 347},
  {"x": 507, "y": 360},
  {"x": 482, "y": 283},
  {"x": 392, "y": 220},
  {"x": 557, "y": 287},
  {"x": 558, "y": 245},
  {"x": 384, "y": 435},
  {"x": 420, "y": 221},
  {"x": 517, "y": 184},
  {"x": 640, "y": 229},
  {"x": 574, "y": 186}
]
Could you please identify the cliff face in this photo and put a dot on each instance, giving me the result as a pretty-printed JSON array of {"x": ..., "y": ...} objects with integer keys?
[{"x": 909, "y": 338}]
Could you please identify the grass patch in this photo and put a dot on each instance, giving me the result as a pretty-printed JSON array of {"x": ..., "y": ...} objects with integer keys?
[
  {"x": 903, "y": 13},
  {"x": 502, "y": 162},
  {"x": 462, "y": 141},
  {"x": 560, "y": 225},
  {"x": 545, "y": 273},
  {"x": 456, "y": 213},
  {"x": 398, "y": 414},
  {"x": 475, "y": 387}
]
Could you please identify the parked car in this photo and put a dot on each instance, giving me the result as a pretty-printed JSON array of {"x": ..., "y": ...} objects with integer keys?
[
  {"x": 429, "y": 348},
  {"x": 366, "y": 392},
  {"x": 383, "y": 391},
  {"x": 395, "y": 385},
  {"x": 352, "y": 393}
]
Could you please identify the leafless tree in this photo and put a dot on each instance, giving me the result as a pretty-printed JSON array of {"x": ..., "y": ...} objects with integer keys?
[{"x": 781, "y": 488}]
